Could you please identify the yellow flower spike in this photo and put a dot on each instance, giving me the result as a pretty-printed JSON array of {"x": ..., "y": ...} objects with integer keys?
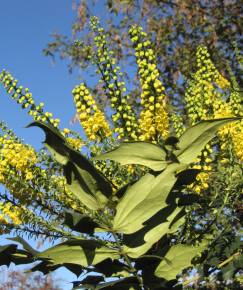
[
  {"x": 153, "y": 96},
  {"x": 93, "y": 121},
  {"x": 113, "y": 83},
  {"x": 204, "y": 100},
  {"x": 24, "y": 97},
  {"x": 202, "y": 93},
  {"x": 232, "y": 131}
]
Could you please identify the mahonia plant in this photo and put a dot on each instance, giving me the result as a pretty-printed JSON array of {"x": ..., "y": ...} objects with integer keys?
[{"x": 138, "y": 209}]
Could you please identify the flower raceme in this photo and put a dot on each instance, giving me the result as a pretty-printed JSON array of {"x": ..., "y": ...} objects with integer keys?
[
  {"x": 205, "y": 99},
  {"x": 91, "y": 118},
  {"x": 24, "y": 97},
  {"x": 204, "y": 88},
  {"x": 123, "y": 117},
  {"x": 230, "y": 133},
  {"x": 154, "y": 121},
  {"x": 208, "y": 69}
]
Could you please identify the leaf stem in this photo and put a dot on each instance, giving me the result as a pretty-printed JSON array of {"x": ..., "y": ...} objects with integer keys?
[{"x": 128, "y": 261}]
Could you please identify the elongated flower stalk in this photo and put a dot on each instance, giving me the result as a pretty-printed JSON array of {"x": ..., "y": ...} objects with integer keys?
[
  {"x": 93, "y": 121},
  {"x": 124, "y": 118},
  {"x": 24, "y": 97},
  {"x": 153, "y": 121},
  {"x": 210, "y": 96}
]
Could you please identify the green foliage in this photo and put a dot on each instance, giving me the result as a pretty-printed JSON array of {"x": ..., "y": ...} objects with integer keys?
[
  {"x": 81, "y": 252},
  {"x": 147, "y": 213},
  {"x": 177, "y": 258},
  {"x": 142, "y": 153},
  {"x": 194, "y": 139},
  {"x": 83, "y": 179}
]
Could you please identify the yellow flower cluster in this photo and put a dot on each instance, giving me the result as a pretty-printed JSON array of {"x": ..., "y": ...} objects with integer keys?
[
  {"x": 154, "y": 121},
  {"x": 203, "y": 91},
  {"x": 178, "y": 125},
  {"x": 203, "y": 163},
  {"x": 237, "y": 139},
  {"x": 75, "y": 143},
  {"x": 24, "y": 97},
  {"x": 201, "y": 183},
  {"x": 233, "y": 131},
  {"x": 223, "y": 110},
  {"x": 200, "y": 96},
  {"x": 124, "y": 117},
  {"x": 91, "y": 118},
  {"x": 18, "y": 156},
  {"x": 209, "y": 70},
  {"x": 205, "y": 100},
  {"x": 11, "y": 213}
]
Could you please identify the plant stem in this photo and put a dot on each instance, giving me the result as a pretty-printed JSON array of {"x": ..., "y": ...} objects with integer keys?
[
  {"x": 228, "y": 260},
  {"x": 128, "y": 261}
]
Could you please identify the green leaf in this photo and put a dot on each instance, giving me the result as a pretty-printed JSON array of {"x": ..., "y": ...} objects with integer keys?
[
  {"x": 88, "y": 183},
  {"x": 5, "y": 254},
  {"x": 45, "y": 267},
  {"x": 10, "y": 254},
  {"x": 144, "y": 199},
  {"x": 89, "y": 281},
  {"x": 25, "y": 245},
  {"x": 142, "y": 153},
  {"x": 21, "y": 257},
  {"x": 179, "y": 257},
  {"x": 128, "y": 283},
  {"x": 81, "y": 252},
  {"x": 72, "y": 254},
  {"x": 194, "y": 139},
  {"x": 109, "y": 267},
  {"x": 58, "y": 143},
  {"x": 80, "y": 187},
  {"x": 79, "y": 222},
  {"x": 153, "y": 233}
]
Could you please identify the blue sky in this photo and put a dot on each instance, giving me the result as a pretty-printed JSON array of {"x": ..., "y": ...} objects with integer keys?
[{"x": 25, "y": 29}]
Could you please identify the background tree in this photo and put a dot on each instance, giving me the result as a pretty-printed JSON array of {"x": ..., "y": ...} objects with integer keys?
[{"x": 21, "y": 281}]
